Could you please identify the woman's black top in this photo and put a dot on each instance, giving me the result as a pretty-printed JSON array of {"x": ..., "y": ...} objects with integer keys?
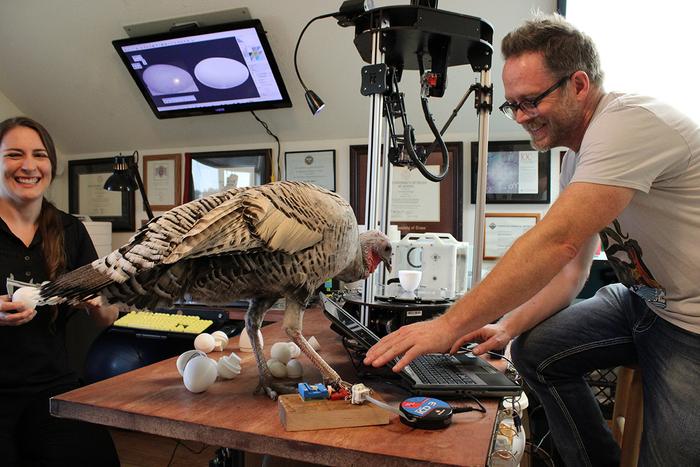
[{"x": 34, "y": 354}]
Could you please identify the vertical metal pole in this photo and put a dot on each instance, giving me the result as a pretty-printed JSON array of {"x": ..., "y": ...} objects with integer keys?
[
  {"x": 479, "y": 208},
  {"x": 376, "y": 183}
]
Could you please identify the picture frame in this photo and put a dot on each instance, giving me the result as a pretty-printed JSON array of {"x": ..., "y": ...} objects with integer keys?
[
  {"x": 516, "y": 173},
  {"x": 87, "y": 196},
  {"x": 501, "y": 229},
  {"x": 162, "y": 176},
  {"x": 447, "y": 209},
  {"x": 211, "y": 172},
  {"x": 317, "y": 167}
]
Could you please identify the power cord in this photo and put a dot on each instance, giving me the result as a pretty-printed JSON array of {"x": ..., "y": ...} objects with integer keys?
[{"x": 279, "y": 147}]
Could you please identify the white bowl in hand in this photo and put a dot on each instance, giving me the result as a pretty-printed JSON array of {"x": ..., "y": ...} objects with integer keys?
[{"x": 410, "y": 279}]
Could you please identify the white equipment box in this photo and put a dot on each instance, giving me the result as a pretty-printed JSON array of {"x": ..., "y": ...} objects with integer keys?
[
  {"x": 445, "y": 262},
  {"x": 101, "y": 236}
]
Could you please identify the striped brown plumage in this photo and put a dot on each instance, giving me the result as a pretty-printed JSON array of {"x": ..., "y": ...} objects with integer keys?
[{"x": 262, "y": 243}]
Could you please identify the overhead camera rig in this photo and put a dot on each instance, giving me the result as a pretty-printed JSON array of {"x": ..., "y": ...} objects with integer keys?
[
  {"x": 417, "y": 37},
  {"x": 413, "y": 37}
]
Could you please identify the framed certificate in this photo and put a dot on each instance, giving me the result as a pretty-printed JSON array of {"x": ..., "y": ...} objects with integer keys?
[
  {"x": 417, "y": 205},
  {"x": 87, "y": 196},
  {"x": 161, "y": 179},
  {"x": 317, "y": 167},
  {"x": 502, "y": 229},
  {"x": 515, "y": 173}
]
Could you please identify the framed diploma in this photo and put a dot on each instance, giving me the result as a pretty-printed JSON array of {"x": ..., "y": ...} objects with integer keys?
[
  {"x": 502, "y": 229},
  {"x": 87, "y": 196},
  {"x": 161, "y": 179},
  {"x": 317, "y": 167},
  {"x": 417, "y": 204},
  {"x": 515, "y": 173}
]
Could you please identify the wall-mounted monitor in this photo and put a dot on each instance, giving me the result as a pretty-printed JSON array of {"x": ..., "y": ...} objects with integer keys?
[{"x": 209, "y": 70}]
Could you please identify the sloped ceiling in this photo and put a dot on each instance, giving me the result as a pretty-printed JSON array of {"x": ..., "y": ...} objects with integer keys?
[{"x": 58, "y": 66}]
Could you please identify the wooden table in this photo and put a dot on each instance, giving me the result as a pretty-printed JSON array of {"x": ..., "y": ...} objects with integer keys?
[{"x": 154, "y": 400}]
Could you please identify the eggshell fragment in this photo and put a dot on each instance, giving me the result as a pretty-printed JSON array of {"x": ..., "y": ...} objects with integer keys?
[
  {"x": 277, "y": 368},
  {"x": 294, "y": 368},
  {"x": 204, "y": 342},
  {"x": 185, "y": 357},
  {"x": 229, "y": 367},
  {"x": 27, "y": 295},
  {"x": 199, "y": 374},
  {"x": 313, "y": 342},
  {"x": 220, "y": 339},
  {"x": 244, "y": 344},
  {"x": 294, "y": 349},
  {"x": 281, "y": 351}
]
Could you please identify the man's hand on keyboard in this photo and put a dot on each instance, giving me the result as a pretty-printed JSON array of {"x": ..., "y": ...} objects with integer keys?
[{"x": 412, "y": 340}]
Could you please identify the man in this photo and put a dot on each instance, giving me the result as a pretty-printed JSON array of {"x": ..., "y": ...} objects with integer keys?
[{"x": 632, "y": 177}]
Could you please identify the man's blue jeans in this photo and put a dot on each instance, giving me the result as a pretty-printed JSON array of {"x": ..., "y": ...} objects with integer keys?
[{"x": 615, "y": 327}]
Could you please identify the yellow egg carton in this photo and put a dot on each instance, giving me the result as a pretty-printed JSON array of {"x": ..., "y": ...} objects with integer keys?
[{"x": 168, "y": 322}]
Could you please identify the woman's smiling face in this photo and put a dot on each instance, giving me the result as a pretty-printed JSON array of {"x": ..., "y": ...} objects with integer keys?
[{"x": 25, "y": 166}]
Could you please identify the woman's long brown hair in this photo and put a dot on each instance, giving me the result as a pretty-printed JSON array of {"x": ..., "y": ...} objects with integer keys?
[{"x": 49, "y": 223}]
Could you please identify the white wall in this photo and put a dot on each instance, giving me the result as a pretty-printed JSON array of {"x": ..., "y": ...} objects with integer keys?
[{"x": 7, "y": 108}]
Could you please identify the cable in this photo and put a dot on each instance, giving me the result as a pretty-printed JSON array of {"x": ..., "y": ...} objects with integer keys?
[
  {"x": 296, "y": 48},
  {"x": 279, "y": 147},
  {"x": 172, "y": 456}
]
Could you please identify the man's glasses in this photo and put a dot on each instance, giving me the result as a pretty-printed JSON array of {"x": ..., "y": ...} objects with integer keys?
[{"x": 529, "y": 107}]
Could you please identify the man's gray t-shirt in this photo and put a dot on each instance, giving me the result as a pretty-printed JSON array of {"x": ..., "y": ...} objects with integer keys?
[{"x": 654, "y": 244}]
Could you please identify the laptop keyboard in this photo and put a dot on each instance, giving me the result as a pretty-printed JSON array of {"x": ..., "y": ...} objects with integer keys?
[{"x": 440, "y": 369}]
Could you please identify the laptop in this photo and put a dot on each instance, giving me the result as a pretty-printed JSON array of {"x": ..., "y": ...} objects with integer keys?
[{"x": 437, "y": 375}]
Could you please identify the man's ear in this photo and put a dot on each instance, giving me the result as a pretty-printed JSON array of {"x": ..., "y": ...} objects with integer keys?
[{"x": 582, "y": 84}]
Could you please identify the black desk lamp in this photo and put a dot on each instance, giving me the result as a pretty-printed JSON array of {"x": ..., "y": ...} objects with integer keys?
[{"x": 126, "y": 177}]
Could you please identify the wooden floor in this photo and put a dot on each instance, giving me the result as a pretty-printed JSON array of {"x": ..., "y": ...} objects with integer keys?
[
  {"x": 145, "y": 450},
  {"x": 137, "y": 449}
]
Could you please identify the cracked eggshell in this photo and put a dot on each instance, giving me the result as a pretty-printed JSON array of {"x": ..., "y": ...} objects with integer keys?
[
  {"x": 294, "y": 350},
  {"x": 294, "y": 368},
  {"x": 205, "y": 342},
  {"x": 185, "y": 357},
  {"x": 313, "y": 342},
  {"x": 220, "y": 340},
  {"x": 244, "y": 341},
  {"x": 277, "y": 368},
  {"x": 229, "y": 367},
  {"x": 200, "y": 373},
  {"x": 280, "y": 351},
  {"x": 27, "y": 295}
]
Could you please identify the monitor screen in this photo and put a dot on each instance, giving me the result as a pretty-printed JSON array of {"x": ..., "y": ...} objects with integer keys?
[{"x": 209, "y": 70}]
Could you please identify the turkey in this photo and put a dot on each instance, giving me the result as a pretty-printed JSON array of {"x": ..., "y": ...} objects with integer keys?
[{"x": 262, "y": 243}]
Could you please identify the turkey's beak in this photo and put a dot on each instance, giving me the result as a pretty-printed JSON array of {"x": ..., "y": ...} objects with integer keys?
[{"x": 386, "y": 258}]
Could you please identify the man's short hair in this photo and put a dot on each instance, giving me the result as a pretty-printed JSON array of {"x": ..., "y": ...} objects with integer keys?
[{"x": 565, "y": 48}]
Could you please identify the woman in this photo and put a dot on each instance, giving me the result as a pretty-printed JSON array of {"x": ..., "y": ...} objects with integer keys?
[{"x": 38, "y": 243}]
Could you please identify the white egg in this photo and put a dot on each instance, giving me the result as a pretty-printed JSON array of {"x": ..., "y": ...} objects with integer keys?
[
  {"x": 281, "y": 351},
  {"x": 204, "y": 342},
  {"x": 313, "y": 342},
  {"x": 277, "y": 368},
  {"x": 294, "y": 349},
  {"x": 27, "y": 295},
  {"x": 244, "y": 341},
  {"x": 294, "y": 368},
  {"x": 200, "y": 373},
  {"x": 185, "y": 357},
  {"x": 221, "y": 340}
]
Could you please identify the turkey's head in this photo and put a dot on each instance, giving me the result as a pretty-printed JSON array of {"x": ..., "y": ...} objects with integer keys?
[{"x": 376, "y": 248}]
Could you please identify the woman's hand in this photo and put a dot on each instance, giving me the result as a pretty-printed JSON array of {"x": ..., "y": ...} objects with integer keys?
[
  {"x": 491, "y": 337},
  {"x": 14, "y": 313}
]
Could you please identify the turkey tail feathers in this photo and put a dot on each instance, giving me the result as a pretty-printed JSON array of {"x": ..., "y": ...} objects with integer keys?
[{"x": 77, "y": 285}]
